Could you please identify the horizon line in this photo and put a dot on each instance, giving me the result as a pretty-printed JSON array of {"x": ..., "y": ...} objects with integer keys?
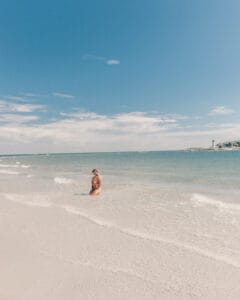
[{"x": 97, "y": 152}]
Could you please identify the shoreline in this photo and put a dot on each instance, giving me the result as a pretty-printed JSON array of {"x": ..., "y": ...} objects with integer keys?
[{"x": 68, "y": 256}]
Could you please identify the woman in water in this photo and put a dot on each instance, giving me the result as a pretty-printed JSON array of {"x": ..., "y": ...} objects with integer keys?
[{"x": 96, "y": 183}]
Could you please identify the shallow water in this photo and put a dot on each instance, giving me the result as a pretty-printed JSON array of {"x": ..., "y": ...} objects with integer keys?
[{"x": 190, "y": 200}]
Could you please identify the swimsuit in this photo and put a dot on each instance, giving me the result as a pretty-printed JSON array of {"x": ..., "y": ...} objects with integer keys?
[{"x": 94, "y": 188}]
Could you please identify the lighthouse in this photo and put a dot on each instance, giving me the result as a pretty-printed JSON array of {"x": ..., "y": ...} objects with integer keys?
[{"x": 213, "y": 144}]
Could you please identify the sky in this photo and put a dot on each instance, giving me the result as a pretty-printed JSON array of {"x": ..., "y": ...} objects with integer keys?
[{"x": 129, "y": 75}]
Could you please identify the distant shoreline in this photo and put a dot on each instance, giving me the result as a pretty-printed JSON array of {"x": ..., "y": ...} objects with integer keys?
[
  {"x": 122, "y": 152},
  {"x": 100, "y": 152},
  {"x": 212, "y": 149}
]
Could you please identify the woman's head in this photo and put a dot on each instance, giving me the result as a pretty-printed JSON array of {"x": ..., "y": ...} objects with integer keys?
[{"x": 95, "y": 171}]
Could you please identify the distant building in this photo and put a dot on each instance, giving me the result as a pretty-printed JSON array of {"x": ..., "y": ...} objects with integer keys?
[{"x": 229, "y": 145}]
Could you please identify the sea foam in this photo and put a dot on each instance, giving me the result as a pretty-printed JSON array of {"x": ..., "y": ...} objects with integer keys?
[
  {"x": 125, "y": 230},
  {"x": 8, "y": 166},
  {"x": 62, "y": 180},
  {"x": 21, "y": 199},
  {"x": 201, "y": 199},
  {"x": 25, "y": 166},
  {"x": 17, "y": 165},
  {"x": 7, "y": 172}
]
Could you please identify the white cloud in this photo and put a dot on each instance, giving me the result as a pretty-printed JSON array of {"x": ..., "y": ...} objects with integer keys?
[
  {"x": 27, "y": 108},
  {"x": 88, "y": 131},
  {"x": 24, "y": 108},
  {"x": 14, "y": 118},
  {"x": 62, "y": 95},
  {"x": 221, "y": 110},
  {"x": 81, "y": 115},
  {"x": 134, "y": 122},
  {"x": 112, "y": 62}
]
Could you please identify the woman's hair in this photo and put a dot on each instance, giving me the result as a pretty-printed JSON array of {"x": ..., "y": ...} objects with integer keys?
[{"x": 95, "y": 170}]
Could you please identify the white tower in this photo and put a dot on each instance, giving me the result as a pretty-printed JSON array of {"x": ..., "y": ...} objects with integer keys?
[{"x": 213, "y": 144}]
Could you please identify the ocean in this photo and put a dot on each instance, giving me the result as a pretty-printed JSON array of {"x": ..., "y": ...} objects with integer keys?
[{"x": 186, "y": 200}]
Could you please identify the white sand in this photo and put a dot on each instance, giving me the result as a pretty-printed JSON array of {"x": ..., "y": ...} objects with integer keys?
[{"x": 61, "y": 252}]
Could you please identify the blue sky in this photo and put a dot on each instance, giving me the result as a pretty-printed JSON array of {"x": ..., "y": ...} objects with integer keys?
[{"x": 165, "y": 71}]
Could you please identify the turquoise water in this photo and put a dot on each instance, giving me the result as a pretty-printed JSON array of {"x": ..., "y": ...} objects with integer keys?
[
  {"x": 188, "y": 199},
  {"x": 200, "y": 171}
]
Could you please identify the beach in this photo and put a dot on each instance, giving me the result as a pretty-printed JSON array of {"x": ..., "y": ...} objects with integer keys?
[{"x": 166, "y": 226}]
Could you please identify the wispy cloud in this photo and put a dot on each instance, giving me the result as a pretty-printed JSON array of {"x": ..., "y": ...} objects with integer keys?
[
  {"x": 15, "y": 98},
  {"x": 16, "y": 118},
  {"x": 31, "y": 95},
  {"x": 62, "y": 95},
  {"x": 134, "y": 122},
  {"x": 221, "y": 110},
  {"x": 90, "y": 131},
  {"x": 113, "y": 62},
  {"x": 23, "y": 108}
]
